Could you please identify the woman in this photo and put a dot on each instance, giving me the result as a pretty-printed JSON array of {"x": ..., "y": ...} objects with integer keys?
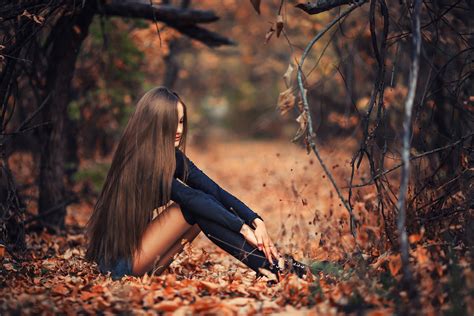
[{"x": 149, "y": 170}]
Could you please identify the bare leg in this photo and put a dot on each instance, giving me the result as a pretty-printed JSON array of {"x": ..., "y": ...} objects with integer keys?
[
  {"x": 161, "y": 236},
  {"x": 177, "y": 247}
]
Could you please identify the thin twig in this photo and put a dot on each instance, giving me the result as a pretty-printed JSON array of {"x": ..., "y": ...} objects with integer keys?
[
  {"x": 311, "y": 135},
  {"x": 412, "y": 158}
]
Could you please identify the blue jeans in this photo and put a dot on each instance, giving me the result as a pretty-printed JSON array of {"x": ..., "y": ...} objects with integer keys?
[
  {"x": 119, "y": 269},
  {"x": 230, "y": 241}
]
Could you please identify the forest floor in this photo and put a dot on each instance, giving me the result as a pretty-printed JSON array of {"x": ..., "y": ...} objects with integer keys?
[{"x": 303, "y": 215}]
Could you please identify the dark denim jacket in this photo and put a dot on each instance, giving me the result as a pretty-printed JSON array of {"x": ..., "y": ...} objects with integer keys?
[{"x": 202, "y": 196}]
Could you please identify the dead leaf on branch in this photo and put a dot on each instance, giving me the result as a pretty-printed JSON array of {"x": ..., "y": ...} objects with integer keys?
[
  {"x": 269, "y": 34},
  {"x": 279, "y": 24},
  {"x": 300, "y": 105},
  {"x": 286, "y": 101},
  {"x": 37, "y": 18},
  {"x": 302, "y": 119},
  {"x": 256, "y": 5},
  {"x": 288, "y": 74}
]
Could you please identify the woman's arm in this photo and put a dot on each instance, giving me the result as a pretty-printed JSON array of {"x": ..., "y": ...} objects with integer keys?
[
  {"x": 199, "y": 180},
  {"x": 202, "y": 204}
]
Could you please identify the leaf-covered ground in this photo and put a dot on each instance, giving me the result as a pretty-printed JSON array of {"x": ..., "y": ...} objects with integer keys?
[{"x": 304, "y": 217}]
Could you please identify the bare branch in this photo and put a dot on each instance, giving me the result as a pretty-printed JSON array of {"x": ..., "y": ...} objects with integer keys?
[
  {"x": 181, "y": 19},
  {"x": 413, "y": 80},
  {"x": 324, "y": 5},
  {"x": 165, "y": 13}
]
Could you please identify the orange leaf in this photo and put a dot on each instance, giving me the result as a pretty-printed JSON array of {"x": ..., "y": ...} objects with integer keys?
[
  {"x": 414, "y": 238},
  {"x": 97, "y": 289},
  {"x": 421, "y": 255},
  {"x": 210, "y": 286},
  {"x": 394, "y": 264},
  {"x": 149, "y": 299},
  {"x": 60, "y": 289},
  {"x": 166, "y": 306},
  {"x": 87, "y": 295}
]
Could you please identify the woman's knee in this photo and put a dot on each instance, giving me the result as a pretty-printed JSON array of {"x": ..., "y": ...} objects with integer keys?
[{"x": 188, "y": 216}]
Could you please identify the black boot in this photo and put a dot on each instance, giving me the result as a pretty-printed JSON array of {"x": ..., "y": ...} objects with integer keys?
[{"x": 286, "y": 264}]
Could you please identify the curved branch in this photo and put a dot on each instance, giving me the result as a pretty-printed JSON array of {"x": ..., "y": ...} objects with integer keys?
[{"x": 311, "y": 133}]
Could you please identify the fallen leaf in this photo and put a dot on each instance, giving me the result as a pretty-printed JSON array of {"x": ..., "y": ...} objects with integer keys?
[
  {"x": 166, "y": 306},
  {"x": 240, "y": 301},
  {"x": 85, "y": 295},
  {"x": 60, "y": 289}
]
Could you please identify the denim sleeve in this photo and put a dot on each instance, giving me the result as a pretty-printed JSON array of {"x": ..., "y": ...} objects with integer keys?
[
  {"x": 201, "y": 204},
  {"x": 199, "y": 180}
]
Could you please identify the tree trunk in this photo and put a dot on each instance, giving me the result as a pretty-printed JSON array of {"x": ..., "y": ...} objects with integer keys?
[{"x": 68, "y": 35}]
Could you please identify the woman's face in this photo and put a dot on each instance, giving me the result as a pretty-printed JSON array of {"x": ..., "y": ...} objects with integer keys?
[{"x": 179, "y": 130}]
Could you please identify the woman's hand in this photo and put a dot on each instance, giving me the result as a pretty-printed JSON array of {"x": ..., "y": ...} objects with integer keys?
[
  {"x": 264, "y": 242},
  {"x": 248, "y": 234}
]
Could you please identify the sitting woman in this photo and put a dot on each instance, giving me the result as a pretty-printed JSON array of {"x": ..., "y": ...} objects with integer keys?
[{"x": 148, "y": 171}]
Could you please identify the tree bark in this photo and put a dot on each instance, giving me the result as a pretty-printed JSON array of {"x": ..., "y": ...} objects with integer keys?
[{"x": 68, "y": 35}]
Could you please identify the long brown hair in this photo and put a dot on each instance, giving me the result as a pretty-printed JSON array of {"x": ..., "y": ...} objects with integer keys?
[{"x": 139, "y": 178}]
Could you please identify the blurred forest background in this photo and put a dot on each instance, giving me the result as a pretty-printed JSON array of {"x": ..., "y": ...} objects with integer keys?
[{"x": 325, "y": 149}]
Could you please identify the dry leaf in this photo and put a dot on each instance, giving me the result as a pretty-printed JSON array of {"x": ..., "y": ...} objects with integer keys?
[
  {"x": 286, "y": 101},
  {"x": 279, "y": 25},
  {"x": 288, "y": 74},
  {"x": 166, "y": 306},
  {"x": 77, "y": 30},
  {"x": 269, "y": 34},
  {"x": 380, "y": 260},
  {"x": 37, "y": 18},
  {"x": 60, "y": 289},
  {"x": 256, "y": 5},
  {"x": 270, "y": 275},
  {"x": 210, "y": 286},
  {"x": 149, "y": 299},
  {"x": 87, "y": 295},
  {"x": 300, "y": 105},
  {"x": 302, "y": 119},
  {"x": 414, "y": 238},
  {"x": 395, "y": 264},
  {"x": 241, "y": 301},
  {"x": 97, "y": 289}
]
